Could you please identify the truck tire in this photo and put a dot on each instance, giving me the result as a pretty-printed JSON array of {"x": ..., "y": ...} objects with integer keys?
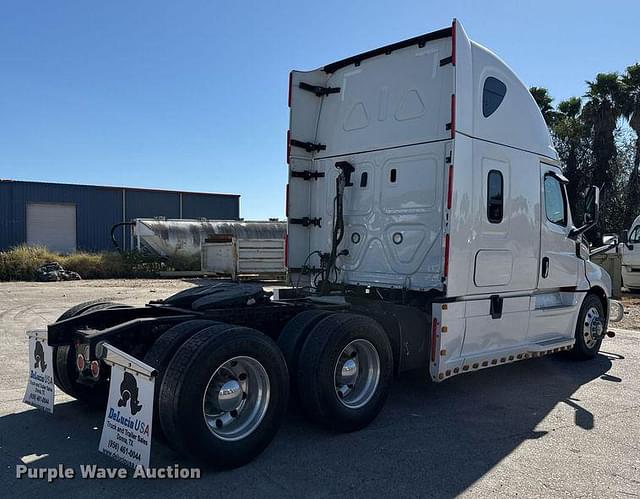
[
  {"x": 65, "y": 374},
  {"x": 293, "y": 336},
  {"x": 344, "y": 372},
  {"x": 224, "y": 395},
  {"x": 590, "y": 328},
  {"x": 163, "y": 350}
]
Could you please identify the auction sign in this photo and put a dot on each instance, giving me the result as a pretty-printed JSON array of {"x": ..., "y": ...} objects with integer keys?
[
  {"x": 126, "y": 434},
  {"x": 40, "y": 388}
]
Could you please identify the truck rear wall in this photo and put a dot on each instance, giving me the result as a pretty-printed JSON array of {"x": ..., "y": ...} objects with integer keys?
[{"x": 390, "y": 119}]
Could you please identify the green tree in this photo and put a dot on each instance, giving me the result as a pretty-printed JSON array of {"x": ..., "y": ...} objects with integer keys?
[
  {"x": 571, "y": 142},
  {"x": 600, "y": 115},
  {"x": 630, "y": 85},
  {"x": 544, "y": 100}
]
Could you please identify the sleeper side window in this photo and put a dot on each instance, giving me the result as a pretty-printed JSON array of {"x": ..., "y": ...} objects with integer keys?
[
  {"x": 493, "y": 94},
  {"x": 554, "y": 201},
  {"x": 495, "y": 196}
]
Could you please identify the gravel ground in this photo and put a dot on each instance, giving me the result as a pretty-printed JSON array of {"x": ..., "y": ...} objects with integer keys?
[
  {"x": 631, "y": 302},
  {"x": 541, "y": 428}
]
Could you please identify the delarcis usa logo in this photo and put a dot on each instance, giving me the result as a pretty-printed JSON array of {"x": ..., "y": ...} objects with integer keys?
[
  {"x": 38, "y": 356},
  {"x": 129, "y": 394}
]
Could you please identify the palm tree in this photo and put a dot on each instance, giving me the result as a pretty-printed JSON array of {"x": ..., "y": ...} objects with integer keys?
[
  {"x": 630, "y": 83},
  {"x": 543, "y": 99},
  {"x": 600, "y": 115}
]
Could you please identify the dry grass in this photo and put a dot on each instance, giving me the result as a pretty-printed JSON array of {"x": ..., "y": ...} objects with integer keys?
[{"x": 20, "y": 263}]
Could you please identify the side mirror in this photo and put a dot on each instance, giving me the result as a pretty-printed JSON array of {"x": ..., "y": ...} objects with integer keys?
[
  {"x": 625, "y": 239},
  {"x": 591, "y": 211}
]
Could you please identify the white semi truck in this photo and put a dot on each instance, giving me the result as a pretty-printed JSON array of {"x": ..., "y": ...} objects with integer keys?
[
  {"x": 428, "y": 228},
  {"x": 630, "y": 248}
]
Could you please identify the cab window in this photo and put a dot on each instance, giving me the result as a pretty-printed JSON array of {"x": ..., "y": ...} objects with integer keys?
[
  {"x": 555, "y": 205},
  {"x": 495, "y": 196},
  {"x": 493, "y": 94},
  {"x": 634, "y": 237}
]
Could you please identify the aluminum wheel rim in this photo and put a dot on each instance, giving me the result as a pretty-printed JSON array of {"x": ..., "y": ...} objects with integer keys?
[
  {"x": 357, "y": 373},
  {"x": 236, "y": 398},
  {"x": 593, "y": 327}
]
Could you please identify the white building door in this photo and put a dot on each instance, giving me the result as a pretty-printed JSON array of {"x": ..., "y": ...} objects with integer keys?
[{"x": 52, "y": 225}]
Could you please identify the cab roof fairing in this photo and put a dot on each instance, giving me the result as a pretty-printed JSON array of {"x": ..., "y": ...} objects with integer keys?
[{"x": 517, "y": 122}]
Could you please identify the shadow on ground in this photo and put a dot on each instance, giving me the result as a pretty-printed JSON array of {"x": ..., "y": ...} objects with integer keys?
[{"x": 431, "y": 439}]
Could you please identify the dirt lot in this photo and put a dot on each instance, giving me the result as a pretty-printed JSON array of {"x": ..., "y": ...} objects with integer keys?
[{"x": 546, "y": 427}]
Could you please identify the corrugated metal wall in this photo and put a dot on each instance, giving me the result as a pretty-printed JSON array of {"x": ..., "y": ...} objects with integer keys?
[
  {"x": 99, "y": 208},
  {"x": 203, "y": 206}
]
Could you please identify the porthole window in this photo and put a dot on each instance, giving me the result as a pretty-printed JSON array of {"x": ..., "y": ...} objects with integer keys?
[
  {"x": 492, "y": 95},
  {"x": 495, "y": 196}
]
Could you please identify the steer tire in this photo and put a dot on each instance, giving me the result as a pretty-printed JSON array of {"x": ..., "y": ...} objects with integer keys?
[
  {"x": 163, "y": 350},
  {"x": 292, "y": 338},
  {"x": 581, "y": 350},
  {"x": 65, "y": 373},
  {"x": 181, "y": 403},
  {"x": 317, "y": 367}
]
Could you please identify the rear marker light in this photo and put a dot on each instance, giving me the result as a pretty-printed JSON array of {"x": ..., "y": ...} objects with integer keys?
[
  {"x": 80, "y": 362},
  {"x": 446, "y": 255},
  {"x": 453, "y": 116},
  {"x": 450, "y": 188},
  {"x": 95, "y": 368}
]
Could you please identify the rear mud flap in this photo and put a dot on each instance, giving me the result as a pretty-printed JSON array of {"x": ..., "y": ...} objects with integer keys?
[{"x": 126, "y": 433}]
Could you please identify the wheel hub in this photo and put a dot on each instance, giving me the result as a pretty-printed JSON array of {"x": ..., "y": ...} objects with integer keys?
[
  {"x": 236, "y": 398},
  {"x": 230, "y": 396},
  {"x": 349, "y": 371},
  {"x": 357, "y": 373},
  {"x": 593, "y": 327}
]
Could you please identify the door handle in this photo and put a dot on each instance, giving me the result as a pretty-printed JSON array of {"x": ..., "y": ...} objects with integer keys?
[{"x": 545, "y": 267}]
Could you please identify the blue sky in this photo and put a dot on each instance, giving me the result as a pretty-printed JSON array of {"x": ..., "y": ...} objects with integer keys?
[{"x": 192, "y": 95}]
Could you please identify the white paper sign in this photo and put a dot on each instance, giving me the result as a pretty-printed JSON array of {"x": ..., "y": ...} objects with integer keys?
[
  {"x": 40, "y": 388},
  {"x": 126, "y": 434}
]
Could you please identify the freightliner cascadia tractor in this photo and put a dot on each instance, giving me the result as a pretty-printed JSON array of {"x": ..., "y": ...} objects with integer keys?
[{"x": 428, "y": 229}]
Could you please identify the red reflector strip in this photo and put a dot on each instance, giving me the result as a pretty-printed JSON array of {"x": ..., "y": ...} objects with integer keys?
[
  {"x": 450, "y": 187},
  {"x": 453, "y": 116},
  {"x": 453, "y": 42},
  {"x": 286, "y": 202},
  {"x": 288, "y": 145},
  {"x": 286, "y": 250},
  {"x": 434, "y": 334},
  {"x": 290, "y": 80},
  {"x": 446, "y": 255}
]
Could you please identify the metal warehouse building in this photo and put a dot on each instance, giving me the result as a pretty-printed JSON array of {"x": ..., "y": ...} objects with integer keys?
[{"x": 66, "y": 217}]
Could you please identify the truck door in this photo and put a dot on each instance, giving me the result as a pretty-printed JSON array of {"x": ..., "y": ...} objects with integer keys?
[
  {"x": 558, "y": 260},
  {"x": 631, "y": 257}
]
